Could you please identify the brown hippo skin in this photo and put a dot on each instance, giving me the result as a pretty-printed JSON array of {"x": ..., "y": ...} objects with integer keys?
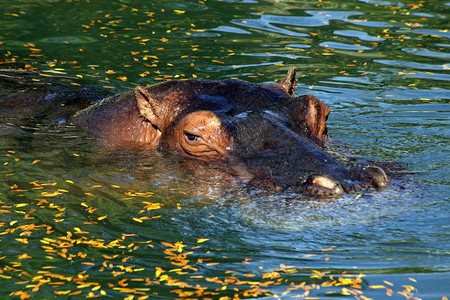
[{"x": 263, "y": 133}]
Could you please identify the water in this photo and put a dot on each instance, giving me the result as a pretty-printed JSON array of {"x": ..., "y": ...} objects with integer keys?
[{"x": 79, "y": 221}]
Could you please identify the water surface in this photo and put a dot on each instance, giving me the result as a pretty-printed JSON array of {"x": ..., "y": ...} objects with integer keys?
[{"x": 78, "y": 220}]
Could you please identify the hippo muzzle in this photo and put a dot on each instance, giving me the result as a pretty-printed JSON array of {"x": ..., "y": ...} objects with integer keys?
[{"x": 282, "y": 159}]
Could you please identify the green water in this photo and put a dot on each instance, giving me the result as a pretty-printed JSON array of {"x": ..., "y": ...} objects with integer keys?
[{"x": 78, "y": 221}]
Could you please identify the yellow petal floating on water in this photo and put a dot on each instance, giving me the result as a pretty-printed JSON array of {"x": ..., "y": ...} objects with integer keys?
[
  {"x": 388, "y": 283},
  {"x": 23, "y": 256},
  {"x": 377, "y": 286},
  {"x": 47, "y": 194},
  {"x": 308, "y": 255},
  {"x": 329, "y": 248}
]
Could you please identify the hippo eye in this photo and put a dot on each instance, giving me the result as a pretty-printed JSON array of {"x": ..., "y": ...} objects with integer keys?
[{"x": 192, "y": 139}]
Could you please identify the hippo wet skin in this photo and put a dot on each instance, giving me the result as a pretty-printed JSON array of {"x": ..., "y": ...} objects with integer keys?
[{"x": 262, "y": 133}]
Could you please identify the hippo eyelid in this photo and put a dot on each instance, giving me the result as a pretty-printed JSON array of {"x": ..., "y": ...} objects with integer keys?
[
  {"x": 191, "y": 138},
  {"x": 154, "y": 126}
]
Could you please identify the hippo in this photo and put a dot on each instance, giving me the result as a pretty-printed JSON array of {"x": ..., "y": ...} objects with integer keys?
[{"x": 263, "y": 133}]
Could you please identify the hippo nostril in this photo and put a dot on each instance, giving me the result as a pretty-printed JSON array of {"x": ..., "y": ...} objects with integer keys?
[
  {"x": 374, "y": 176},
  {"x": 324, "y": 182},
  {"x": 323, "y": 187}
]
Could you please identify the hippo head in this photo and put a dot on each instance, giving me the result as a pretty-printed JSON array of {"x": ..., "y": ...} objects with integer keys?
[{"x": 264, "y": 133}]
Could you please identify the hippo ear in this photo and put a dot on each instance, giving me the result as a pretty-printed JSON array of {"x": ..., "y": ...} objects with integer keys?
[
  {"x": 309, "y": 116},
  {"x": 289, "y": 82},
  {"x": 148, "y": 106}
]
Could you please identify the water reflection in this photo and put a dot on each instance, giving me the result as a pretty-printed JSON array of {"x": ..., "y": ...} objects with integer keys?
[
  {"x": 364, "y": 36},
  {"x": 413, "y": 65}
]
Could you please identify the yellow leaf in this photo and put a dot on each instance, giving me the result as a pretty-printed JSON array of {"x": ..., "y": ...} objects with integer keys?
[
  {"x": 377, "y": 286},
  {"x": 308, "y": 255},
  {"x": 388, "y": 283}
]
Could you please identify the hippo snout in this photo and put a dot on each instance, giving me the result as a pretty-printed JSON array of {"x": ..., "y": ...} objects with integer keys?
[
  {"x": 316, "y": 186},
  {"x": 324, "y": 186}
]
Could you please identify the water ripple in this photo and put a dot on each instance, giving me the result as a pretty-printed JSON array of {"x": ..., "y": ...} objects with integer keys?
[
  {"x": 412, "y": 65},
  {"x": 427, "y": 53},
  {"x": 381, "y": 66},
  {"x": 343, "y": 46},
  {"x": 364, "y": 36}
]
